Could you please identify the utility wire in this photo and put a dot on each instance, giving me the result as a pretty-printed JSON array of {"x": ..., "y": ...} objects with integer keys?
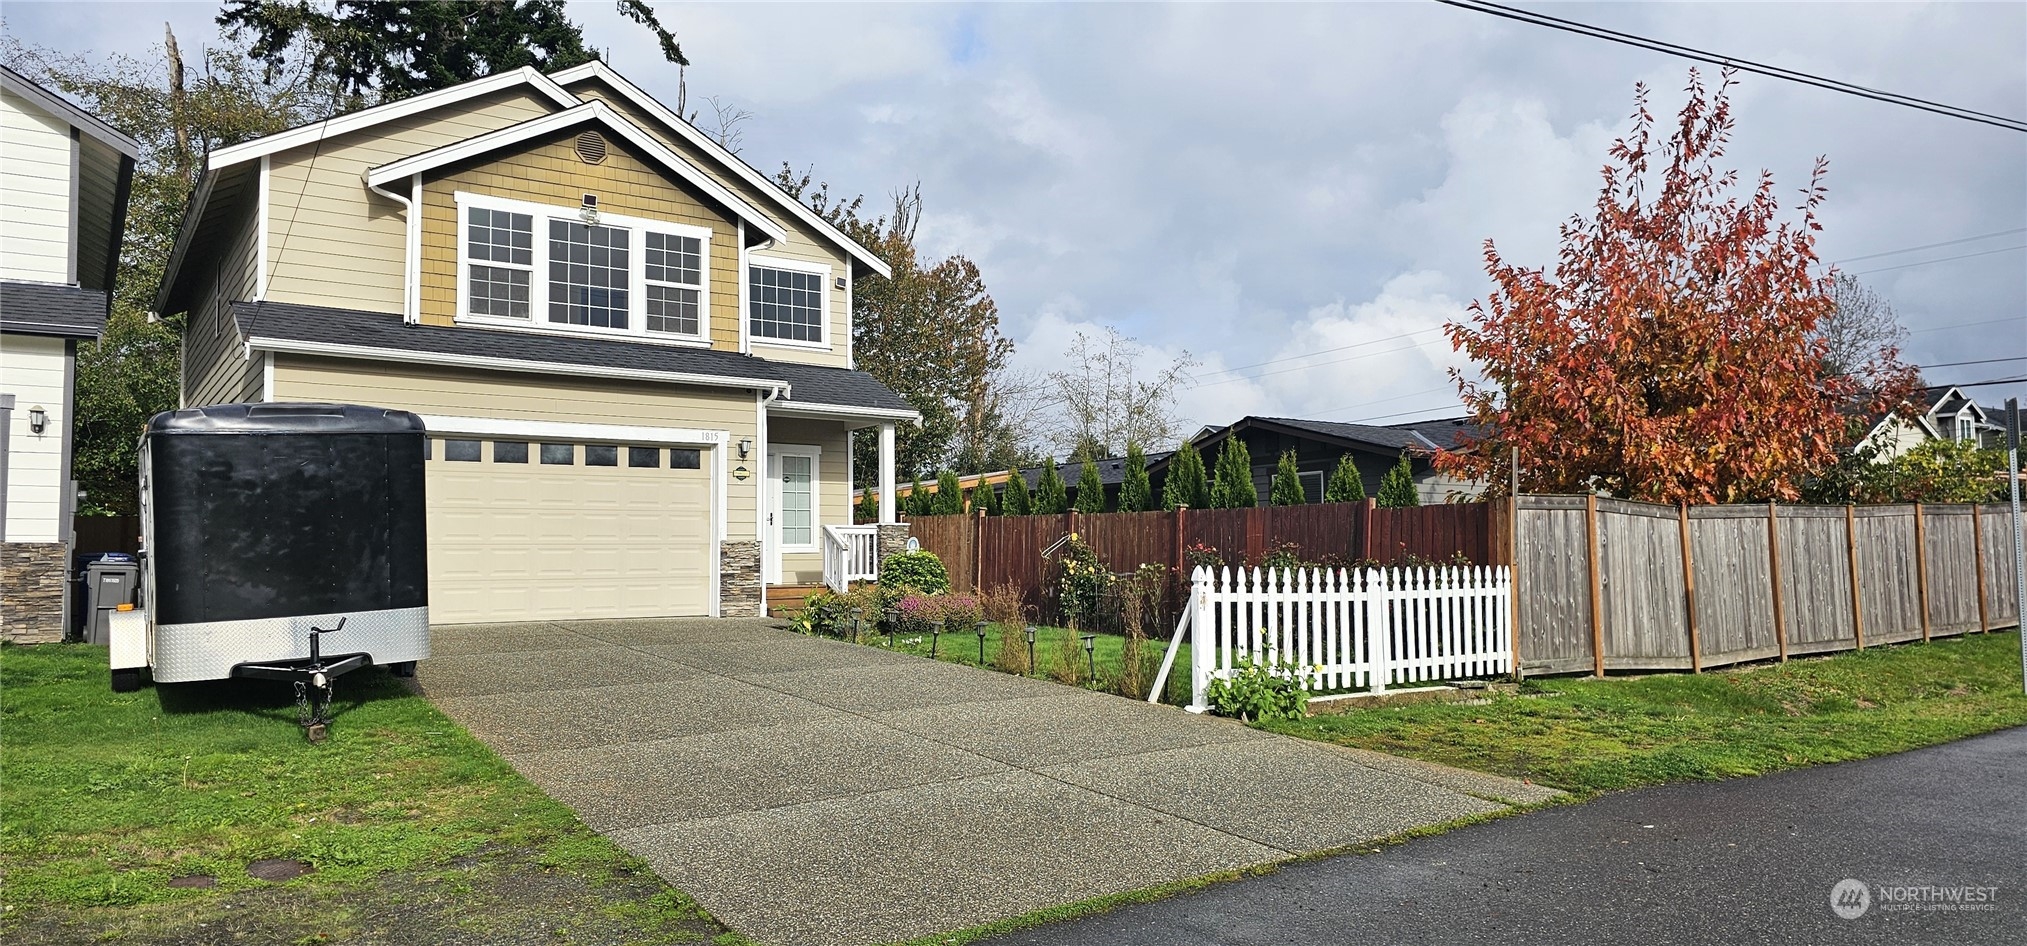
[
  {"x": 1743, "y": 65},
  {"x": 1882, "y": 269},
  {"x": 1929, "y": 246},
  {"x": 1987, "y": 361},
  {"x": 1938, "y": 328}
]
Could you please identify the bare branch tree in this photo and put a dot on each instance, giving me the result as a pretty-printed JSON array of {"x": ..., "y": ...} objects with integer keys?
[
  {"x": 1861, "y": 331},
  {"x": 1105, "y": 399},
  {"x": 727, "y": 118}
]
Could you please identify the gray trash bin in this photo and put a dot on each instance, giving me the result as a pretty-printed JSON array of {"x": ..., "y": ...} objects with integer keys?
[{"x": 108, "y": 583}]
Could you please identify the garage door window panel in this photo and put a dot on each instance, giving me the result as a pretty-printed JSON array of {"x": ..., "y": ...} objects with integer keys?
[
  {"x": 510, "y": 451},
  {"x": 644, "y": 457},
  {"x": 606, "y": 274},
  {"x": 559, "y": 454},
  {"x": 461, "y": 451},
  {"x": 598, "y": 454},
  {"x": 685, "y": 459}
]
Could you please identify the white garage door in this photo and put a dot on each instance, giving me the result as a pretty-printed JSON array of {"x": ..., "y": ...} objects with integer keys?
[{"x": 524, "y": 531}]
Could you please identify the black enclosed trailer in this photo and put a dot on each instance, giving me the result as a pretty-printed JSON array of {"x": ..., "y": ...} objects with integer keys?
[{"x": 265, "y": 522}]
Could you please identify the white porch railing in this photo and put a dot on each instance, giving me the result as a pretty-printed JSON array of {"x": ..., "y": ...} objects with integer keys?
[
  {"x": 1346, "y": 629},
  {"x": 850, "y": 553}
]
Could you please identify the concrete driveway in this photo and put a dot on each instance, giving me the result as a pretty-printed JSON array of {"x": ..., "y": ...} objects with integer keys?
[{"x": 809, "y": 791}]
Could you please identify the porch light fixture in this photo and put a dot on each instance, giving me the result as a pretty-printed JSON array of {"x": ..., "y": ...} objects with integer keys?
[
  {"x": 745, "y": 445},
  {"x": 37, "y": 419},
  {"x": 981, "y": 643},
  {"x": 1091, "y": 651},
  {"x": 1031, "y": 648}
]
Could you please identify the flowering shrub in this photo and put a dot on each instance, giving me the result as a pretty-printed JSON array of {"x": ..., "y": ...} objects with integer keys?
[
  {"x": 1200, "y": 555},
  {"x": 916, "y": 614},
  {"x": 1082, "y": 580},
  {"x": 960, "y": 612}
]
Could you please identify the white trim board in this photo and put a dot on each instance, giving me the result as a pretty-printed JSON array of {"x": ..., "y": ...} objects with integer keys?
[
  {"x": 294, "y": 347},
  {"x": 593, "y": 111},
  {"x": 367, "y": 118},
  {"x": 78, "y": 118},
  {"x": 840, "y": 412},
  {"x": 760, "y": 182}
]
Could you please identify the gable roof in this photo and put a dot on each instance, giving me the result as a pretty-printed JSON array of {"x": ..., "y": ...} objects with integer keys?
[
  {"x": 587, "y": 113},
  {"x": 597, "y": 69},
  {"x": 80, "y": 119},
  {"x": 36, "y": 308},
  {"x": 351, "y": 333},
  {"x": 1417, "y": 437}
]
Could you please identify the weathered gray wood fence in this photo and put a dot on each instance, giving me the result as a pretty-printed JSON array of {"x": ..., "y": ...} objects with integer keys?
[{"x": 1603, "y": 584}]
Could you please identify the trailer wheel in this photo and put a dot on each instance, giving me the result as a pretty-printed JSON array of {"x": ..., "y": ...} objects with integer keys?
[
  {"x": 126, "y": 681},
  {"x": 405, "y": 668}
]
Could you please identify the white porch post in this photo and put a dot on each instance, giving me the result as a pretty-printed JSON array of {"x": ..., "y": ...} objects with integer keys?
[{"x": 886, "y": 474}]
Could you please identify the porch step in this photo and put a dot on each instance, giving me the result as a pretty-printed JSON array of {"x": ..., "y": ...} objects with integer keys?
[{"x": 783, "y": 600}]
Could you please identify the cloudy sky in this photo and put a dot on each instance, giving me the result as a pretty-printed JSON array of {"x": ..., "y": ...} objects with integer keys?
[{"x": 1297, "y": 195}]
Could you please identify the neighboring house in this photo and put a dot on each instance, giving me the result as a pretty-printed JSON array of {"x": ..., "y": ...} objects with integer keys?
[
  {"x": 1318, "y": 445},
  {"x": 1945, "y": 414},
  {"x": 64, "y": 176},
  {"x": 633, "y": 351}
]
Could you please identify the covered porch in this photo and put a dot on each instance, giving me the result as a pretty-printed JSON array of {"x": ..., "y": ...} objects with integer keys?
[{"x": 808, "y": 539}]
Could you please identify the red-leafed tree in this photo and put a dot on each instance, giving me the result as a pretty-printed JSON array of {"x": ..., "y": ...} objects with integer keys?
[{"x": 1672, "y": 354}]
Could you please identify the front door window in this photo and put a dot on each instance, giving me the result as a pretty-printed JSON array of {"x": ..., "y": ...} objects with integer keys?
[{"x": 798, "y": 526}]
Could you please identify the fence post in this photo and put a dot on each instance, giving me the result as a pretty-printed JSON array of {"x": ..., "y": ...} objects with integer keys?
[
  {"x": 1851, "y": 553},
  {"x": 1178, "y": 513},
  {"x": 1365, "y": 529},
  {"x": 1774, "y": 569},
  {"x": 978, "y": 553},
  {"x": 1203, "y": 637},
  {"x": 1921, "y": 567},
  {"x": 1381, "y": 632},
  {"x": 1597, "y": 585},
  {"x": 1689, "y": 592},
  {"x": 1513, "y": 573},
  {"x": 1978, "y": 564}
]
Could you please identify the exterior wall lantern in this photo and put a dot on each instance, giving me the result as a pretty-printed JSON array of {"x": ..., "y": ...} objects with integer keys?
[{"x": 37, "y": 419}]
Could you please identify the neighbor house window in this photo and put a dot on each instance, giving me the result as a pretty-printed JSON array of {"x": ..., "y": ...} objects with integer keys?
[
  {"x": 606, "y": 273},
  {"x": 500, "y": 246},
  {"x": 1965, "y": 427},
  {"x": 786, "y": 304}
]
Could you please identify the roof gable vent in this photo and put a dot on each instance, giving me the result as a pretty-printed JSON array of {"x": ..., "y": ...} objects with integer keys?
[{"x": 591, "y": 148}]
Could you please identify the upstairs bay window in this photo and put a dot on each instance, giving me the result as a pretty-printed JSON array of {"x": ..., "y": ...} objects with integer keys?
[{"x": 598, "y": 273}]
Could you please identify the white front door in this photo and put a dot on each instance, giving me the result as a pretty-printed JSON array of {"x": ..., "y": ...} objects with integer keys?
[{"x": 791, "y": 505}]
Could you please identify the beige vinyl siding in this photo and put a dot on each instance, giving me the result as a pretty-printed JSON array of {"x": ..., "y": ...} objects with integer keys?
[
  {"x": 98, "y": 170},
  {"x": 550, "y": 173},
  {"x": 803, "y": 242},
  {"x": 554, "y": 398},
  {"x": 833, "y": 488},
  {"x": 216, "y": 369},
  {"x": 35, "y": 192},
  {"x": 33, "y": 369},
  {"x": 331, "y": 241}
]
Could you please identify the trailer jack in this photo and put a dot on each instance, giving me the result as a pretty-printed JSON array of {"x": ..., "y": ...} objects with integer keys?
[{"x": 314, "y": 681}]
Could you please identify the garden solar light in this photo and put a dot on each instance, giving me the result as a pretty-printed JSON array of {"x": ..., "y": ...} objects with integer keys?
[
  {"x": 1091, "y": 651},
  {"x": 981, "y": 643},
  {"x": 936, "y": 633},
  {"x": 1031, "y": 648},
  {"x": 892, "y": 616}
]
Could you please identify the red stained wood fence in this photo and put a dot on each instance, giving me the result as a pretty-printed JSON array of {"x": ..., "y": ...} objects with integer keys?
[{"x": 990, "y": 552}]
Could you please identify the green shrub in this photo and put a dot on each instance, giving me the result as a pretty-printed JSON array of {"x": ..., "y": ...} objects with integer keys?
[
  {"x": 1258, "y": 693},
  {"x": 1017, "y": 501},
  {"x": 1186, "y": 484},
  {"x": 915, "y": 571},
  {"x": 948, "y": 500},
  {"x": 1397, "y": 490},
  {"x": 1090, "y": 488},
  {"x": 1082, "y": 580},
  {"x": 1051, "y": 497},
  {"x": 1232, "y": 486},
  {"x": 823, "y": 613},
  {"x": 1346, "y": 484},
  {"x": 1287, "y": 482},
  {"x": 985, "y": 499},
  {"x": 869, "y": 506},
  {"x": 1135, "y": 493}
]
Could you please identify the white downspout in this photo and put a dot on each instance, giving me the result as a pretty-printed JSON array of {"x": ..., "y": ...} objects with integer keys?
[{"x": 411, "y": 223}]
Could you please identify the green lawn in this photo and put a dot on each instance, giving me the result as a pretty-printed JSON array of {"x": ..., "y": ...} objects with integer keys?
[
  {"x": 105, "y": 797},
  {"x": 962, "y": 648},
  {"x": 1588, "y": 735}
]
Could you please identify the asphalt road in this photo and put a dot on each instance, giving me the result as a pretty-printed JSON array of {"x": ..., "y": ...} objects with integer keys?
[{"x": 1743, "y": 861}]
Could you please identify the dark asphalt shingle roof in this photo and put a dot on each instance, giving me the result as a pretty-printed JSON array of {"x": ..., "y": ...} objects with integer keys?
[
  {"x": 808, "y": 384},
  {"x": 1445, "y": 433},
  {"x": 29, "y": 308}
]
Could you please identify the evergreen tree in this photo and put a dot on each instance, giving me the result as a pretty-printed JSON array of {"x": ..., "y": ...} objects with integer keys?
[
  {"x": 985, "y": 499},
  {"x": 1090, "y": 489},
  {"x": 1186, "y": 484},
  {"x": 1346, "y": 484},
  {"x": 915, "y": 503},
  {"x": 1232, "y": 483},
  {"x": 869, "y": 506},
  {"x": 949, "y": 498},
  {"x": 1287, "y": 482},
  {"x": 1051, "y": 497},
  {"x": 1017, "y": 501},
  {"x": 1397, "y": 490},
  {"x": 1135, "y": 493}
]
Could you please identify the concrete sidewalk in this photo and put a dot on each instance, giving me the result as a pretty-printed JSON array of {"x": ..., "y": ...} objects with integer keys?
[{"x": 808, "y": 791}]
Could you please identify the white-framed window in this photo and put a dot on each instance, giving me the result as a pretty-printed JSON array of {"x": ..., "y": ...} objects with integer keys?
[
  {"x": 787, "y": 302},
  {"x": 1966, "y": 427},
  {"x": 561, "y": 269}
]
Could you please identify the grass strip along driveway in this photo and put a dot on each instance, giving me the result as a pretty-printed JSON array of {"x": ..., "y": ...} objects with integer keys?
[
  {"x": 136, "y": 817},
  {"x": 1588, "y": 735}
]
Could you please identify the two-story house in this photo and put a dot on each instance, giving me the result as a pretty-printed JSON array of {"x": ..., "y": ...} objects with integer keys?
[
  {"x": 632, "y": 350},
  {"x": 64, "y": 176}
]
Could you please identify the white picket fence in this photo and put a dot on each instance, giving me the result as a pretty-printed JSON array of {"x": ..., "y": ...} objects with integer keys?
[{"x": 1346, "y": 629}]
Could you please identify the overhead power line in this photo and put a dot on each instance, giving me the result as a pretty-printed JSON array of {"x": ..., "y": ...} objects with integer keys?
[
  {"x": 1939, "y": 328},
  {"x": 1986, "y": 361},
  {"x": 1743, "y": 65},
  {"x": 1882, "y": 269},
  {"x": 1982, "y": 384},
  {"x": 1929, "y": 246}
]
